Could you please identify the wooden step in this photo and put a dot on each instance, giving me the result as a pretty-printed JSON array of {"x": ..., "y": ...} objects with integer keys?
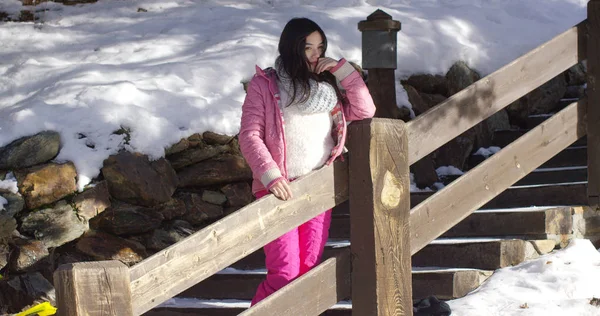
[
  {"x": 483, "y": 254},
  {"x": 222, "y": 311},
  {"x": 538, "y": 223},
  {"x": 570, "y": 157},
  {"x": 502, "y": 138},
  {"x": 542, "y": 176},
  {"x": 444, "y": 284}
]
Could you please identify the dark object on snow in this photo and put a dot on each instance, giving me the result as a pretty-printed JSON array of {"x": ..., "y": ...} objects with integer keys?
[{"x": 431, "y": 306}]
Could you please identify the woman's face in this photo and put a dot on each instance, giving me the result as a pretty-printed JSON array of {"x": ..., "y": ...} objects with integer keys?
[{"x": 313, "y": 49}]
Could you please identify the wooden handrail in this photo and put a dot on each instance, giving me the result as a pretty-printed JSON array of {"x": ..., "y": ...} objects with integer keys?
[
  {"x": 319, "y": 289},
  {"x": 174, "y": 269},
  {"x": 446, "y": 208},
  {"x": 489, "y": 95}
]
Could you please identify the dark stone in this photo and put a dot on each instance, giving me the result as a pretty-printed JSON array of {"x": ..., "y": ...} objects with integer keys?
[
  {"x": 576, "y": 75},
  {"x": 460, "y": 76},
  {"x": 542, "y": 100},
  {"x": 161, "y": 239},
  {"x": 419, "y": 105},
  {"x": 8, "y": 224},
  {"x": 123, "y": 219},
  {"x": 103, "y": 246},
  {"x": 431, "y": 84},
  {"x": 54, "y": 226},
  {"x": 214, "y": 197},
  {"x": 180, "y": 146},
  {"x": 45, "y": 184},
  {"x": 211, "y": 138},
  {"x": 15, "y": 203},
  {"x": 171, "y": 209},
  {"x": 424, "y": 172},
  {"x": 217, "y": 171},
  {"x": 574, "y": 92},
  {"x": 134, "y": 179},
  {"x": 455, "y": 152},
  {"x": 238, "y": 194},
  {"x": 198, "y": 211},
  {"x": 92, "y": 201},
  {"x": 20, "y": 291},
  {"x": 404, "y": 114},
  {"x": 196, "y": 155},
  {"x": 28, "y": 254},
  {"x": 4, "y": 252},
  {"x": 196, "y": 140},
  {"x": 30, "y": 151}
]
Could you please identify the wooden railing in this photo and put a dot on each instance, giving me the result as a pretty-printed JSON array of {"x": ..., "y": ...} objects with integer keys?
[{"x": 385, "y": 232}]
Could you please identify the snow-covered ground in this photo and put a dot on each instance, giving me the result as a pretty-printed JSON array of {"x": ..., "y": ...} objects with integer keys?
[{"x": 165, "y": 69}]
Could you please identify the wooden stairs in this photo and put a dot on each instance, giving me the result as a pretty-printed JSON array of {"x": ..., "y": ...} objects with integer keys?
[{"x": 538, "y": 214}]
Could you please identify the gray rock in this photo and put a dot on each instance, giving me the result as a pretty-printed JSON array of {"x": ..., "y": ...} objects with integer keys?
[
  {"x": 125, "y": 219},
  {"x": 8, "y": 224},
  {"x": 28, "y": 254},
  {"x": 214, "y": 197},
  {"x": 180, "y": 146},
  {"x": 574, "y": 92},
  {"x": 134, "y": 179},
  {"x": 20, "y": 291},
  {"x": 171, "y": 209},
  {"x": 424, "y": 172},
  {"x": 576, "y": 75},
  {"x": 542, "y": 100},
  {"x": 217, "y": 171},
  {"x": 195, "y": 140},
  {"x": 15, "y": 203},
  {"x": 455, "y": 152},
  {"x": 54, "y": 226},
  {"x": 4, "y": 252},
  {"x": 196, "y": 155},
  {"x": 29, "y": 151},
  {"x": 460, "y": 76},
  {"x": 161, "y": 239},
  {"x": 103, "y": 246},
  {"x": 238, "y": 194},
  {"x": 431, "y": 84},
  {"x": 198, "y": 211},
  {"x": 211, "y": 138},
  {"x": 92, "y": 201},
  {"x": 45, "y": 184}
]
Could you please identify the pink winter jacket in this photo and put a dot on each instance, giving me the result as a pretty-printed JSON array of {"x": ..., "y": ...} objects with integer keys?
[{"x": 262, "y": 139}]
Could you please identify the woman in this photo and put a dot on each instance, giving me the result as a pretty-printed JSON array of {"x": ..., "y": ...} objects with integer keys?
[{"x": 293, "y": 122}]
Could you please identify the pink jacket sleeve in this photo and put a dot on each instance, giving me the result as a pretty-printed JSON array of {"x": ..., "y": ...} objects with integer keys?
[
  {"x": 252, "y": 131},
  {"x": 359, "y": 104}
]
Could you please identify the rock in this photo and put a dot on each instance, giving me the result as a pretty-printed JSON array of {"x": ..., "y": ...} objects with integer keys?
[
  {"x": 134, "y": 179},
  {"x": 182, "y": 145},
  {"x": 460, "y": 76},
  {"x": 171, "y": 209},
  {"x": 54, "y": 226},
  {"x": 419, "y": 105},
  {"x": 576, "y": 75},
  {"x": 542, "y": 100},
  {"x": 196, "y": 155},
  {"x": 15, "y": 203},
  {"x": 211, "y": 138},
  {"x": 404, "y": 114},
  {"x": 238, "y": 194},
  {"x": 124, "y": 219},
  {"x": 4, "y": 252},
  {"x": 19, "y": 291},
  {"x": 182, "y": 227},
  {"x": 574, "y": 92},
  {"x": 455, "y": 152},
  {"x": 27, "y": 255},
  {"x": 161, "y": 239},
  {"x": 46, "y": 184},
  {"x": 498, "y": 121},
  {"x": 103, "y": 246},
  {"x": 198, "y": 211},
  {"x": 30, "y": 151},
  {"x": 432, "y": 84},
  {"x": 196, "y": 140},
  {"x": 217, "y": 171},
  {"x": 92, "y": 201},
  {"x": 8, "y": 224},
  {"x": 424, "y": 171},
  {"x": 234, "y": 147},
  {"x": 214, "y": 197}
]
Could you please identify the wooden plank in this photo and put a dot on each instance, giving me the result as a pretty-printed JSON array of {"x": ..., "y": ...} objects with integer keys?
[
  {"x": 447, "y": 285},
  {"x": 449, "y": 206},
  {"x": 93, "y": 288},
  {"x": 542, "y": 177},
  {"x": 379, "y": 210},
  {"x": 570, "y": 157},
  {"x": 319, "y": 289},
  {"x": 503, "y": 138},
  {"x": 217, "y": 246},
  {"x": 224, "y": 311},
  {"x": 593, "y": 95},
  {"x": 492, "y": 93},
  {"x": 382, "y": 87}
]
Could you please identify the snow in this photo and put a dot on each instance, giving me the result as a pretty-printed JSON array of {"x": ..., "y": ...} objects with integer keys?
[
  {"x": 486, "y": 152},
  {"x": 449, "y": 171},
  {"x": 557, "y": 284},
  {"x": 3, "y": 202},
  {"x": 87, "y": 71},
  {"x": 9, "y": 183}
]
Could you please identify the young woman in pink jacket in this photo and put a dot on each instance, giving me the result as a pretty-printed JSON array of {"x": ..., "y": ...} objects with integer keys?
[{"x": 293, "y": 122}]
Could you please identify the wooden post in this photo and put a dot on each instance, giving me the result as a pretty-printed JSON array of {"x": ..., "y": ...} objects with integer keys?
[
  {"x": 379, "y": 56},
  {"x": 593, "y": 102},
  {"x": 93, "y": 288},
  {"x": 379, "y": 218}
]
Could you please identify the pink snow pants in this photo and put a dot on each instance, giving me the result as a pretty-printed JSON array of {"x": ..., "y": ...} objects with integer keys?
[{"x": 293, "y": 254}]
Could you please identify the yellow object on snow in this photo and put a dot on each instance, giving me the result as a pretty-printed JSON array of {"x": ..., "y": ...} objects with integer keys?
[{"x": 42, "y": 309}]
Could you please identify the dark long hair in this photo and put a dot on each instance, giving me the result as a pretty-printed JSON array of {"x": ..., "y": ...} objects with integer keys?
[{"x": 292, "y": 58}]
